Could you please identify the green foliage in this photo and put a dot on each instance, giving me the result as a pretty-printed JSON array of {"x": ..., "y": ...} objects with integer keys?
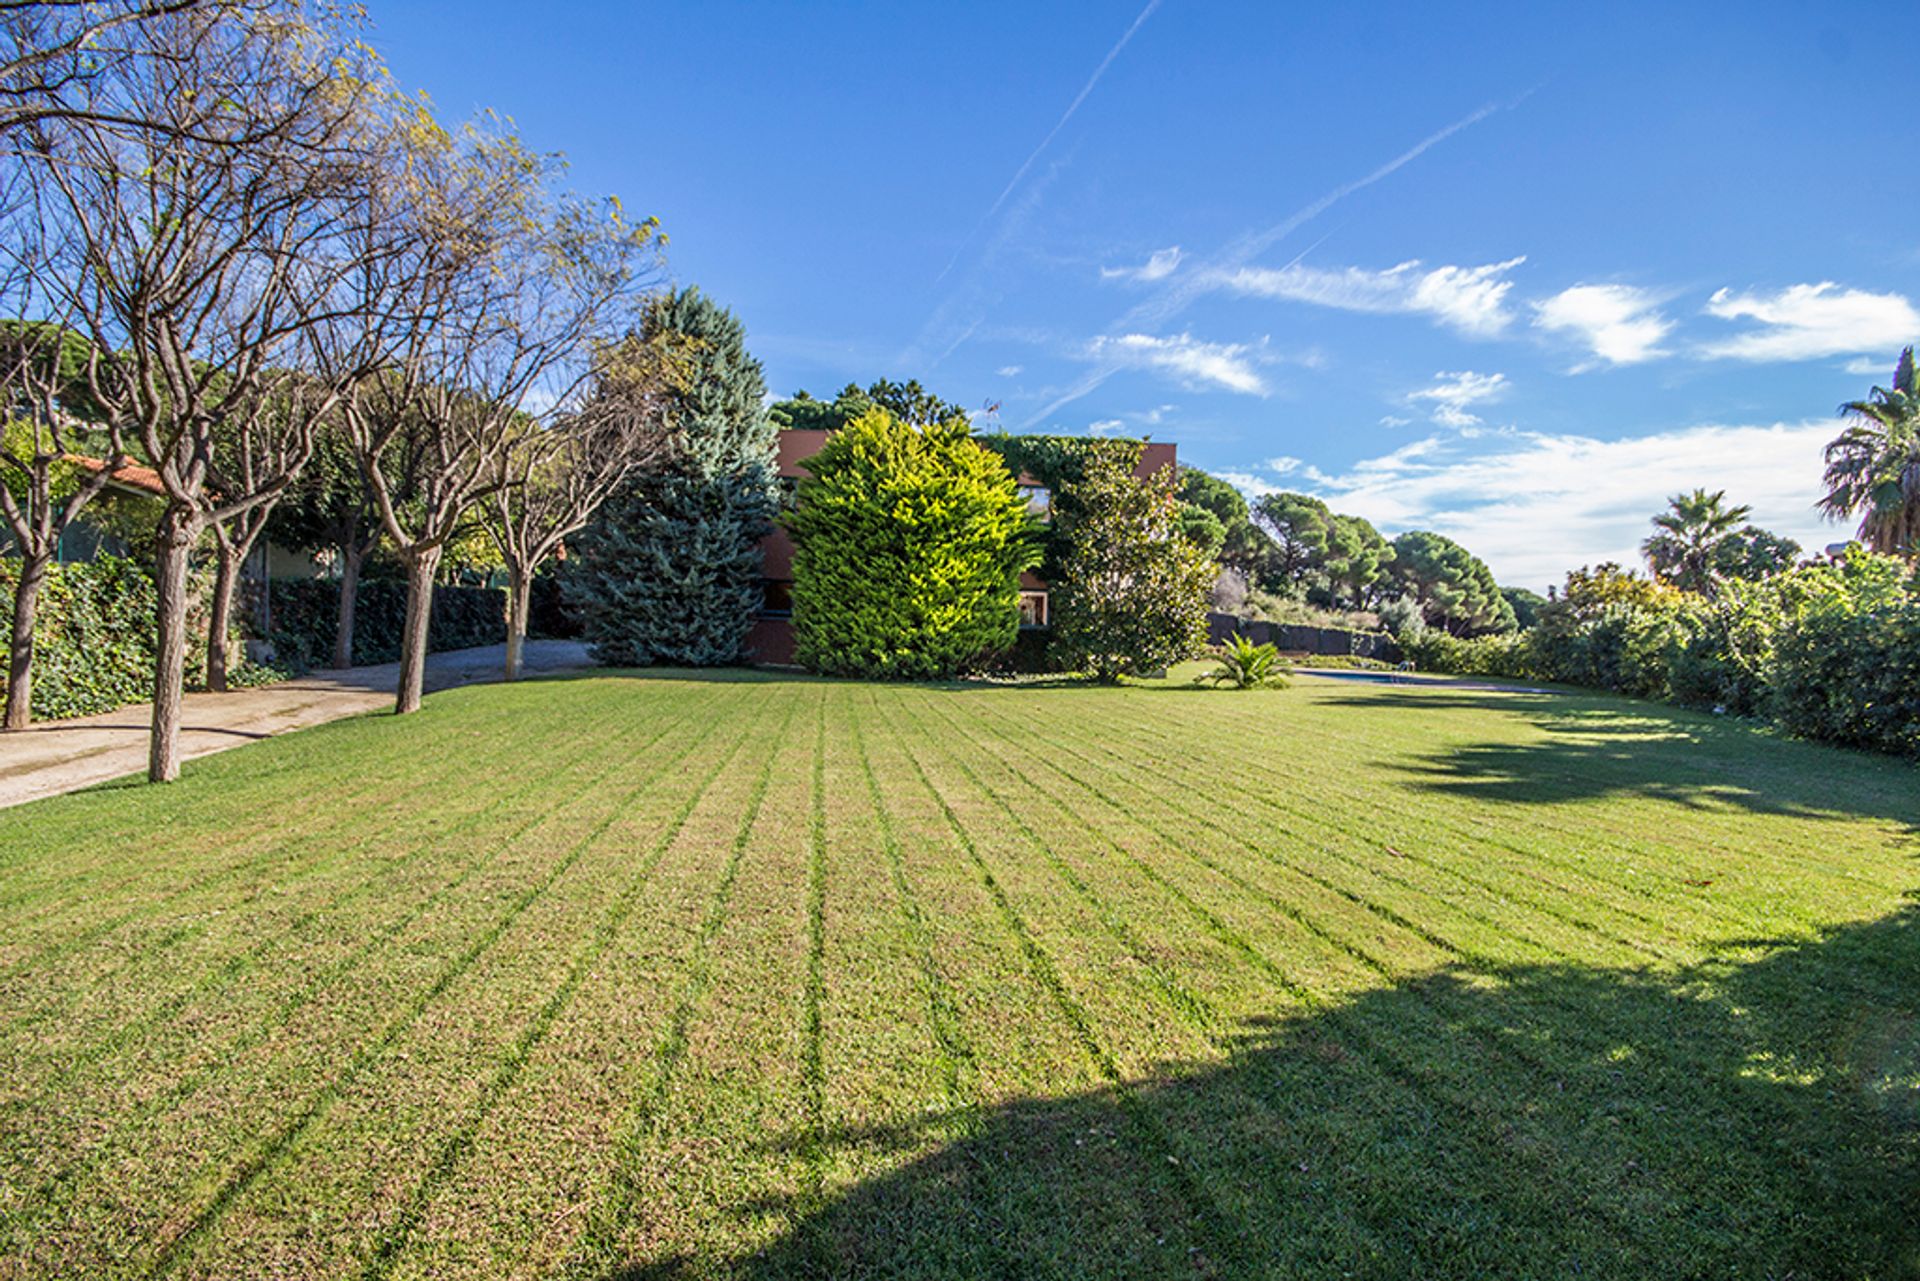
[
  {"x": 1203, "y": 529},
  {"x": 1505, "y": 655},
  {"x": 1300, "y": 527},
  {"x": 1825, "y": 651},
  {"x": 1245, "y": 665},
  {"x": 1455, "y": 589},
  {"x": 1684, "y": 548},
  {"x": 1526, "y": 605},
  {"x": 1752, "y": 554},
  {"x": 94, "y": 633},
  {"x": 908, "y": 547},
  {"x": 669, "y": 571},
  {"x": 1243, "y": 545},
  {"x": 306, "y": 612},
  {"x": 1873, "y": 467},
  {"x": 909, "y": 402},
  {"x": 1131, "y": 595}
]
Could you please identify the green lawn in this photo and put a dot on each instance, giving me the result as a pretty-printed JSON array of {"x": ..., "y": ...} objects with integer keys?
[{"x": 767, "y": 977}]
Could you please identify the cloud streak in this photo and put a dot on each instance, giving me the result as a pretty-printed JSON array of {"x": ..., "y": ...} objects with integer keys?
[
  {"x": 1453, "y": 393},
  {"x": 1804, "y": 322},
  {"x": 1471, "y": 300},
  {"x": 1027, "y": 164}
]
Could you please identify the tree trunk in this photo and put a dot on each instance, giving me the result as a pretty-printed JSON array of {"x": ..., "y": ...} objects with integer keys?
[
  {"x": 26, "y": 604},
  {"x": 220, "y": 618},
  {"x": 350, "y": 556},
  {"x": 413, "y": 637},
  {"x": 177, "y": 531},
  {"x": 519, "y": 602}
]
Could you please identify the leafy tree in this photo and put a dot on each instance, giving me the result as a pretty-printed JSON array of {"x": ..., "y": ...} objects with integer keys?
[
  {"x": 1752, "y": 554},
  {"x": 1873, "y": 467},
  {"x": 1301, "y": 527},
  {"x": 670, "y": 571},
  {"x": 908, "y": 547},
  {"x": 1526, "y": 605},
  {"x": 1687, "y": 537},
  {"x": 1203, "y": 529},
  {"x": 1131, "y": 596},
  {"x": 1356, "y": 560},
  {"x": 1455, "y": 589},
  {"x": 1243, "y": 545},
  {"x": 908, "y": 401}
]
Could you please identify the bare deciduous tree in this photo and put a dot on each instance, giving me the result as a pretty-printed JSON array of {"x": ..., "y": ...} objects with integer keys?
[
  {"x": 551, "y": 482},
  {"x": 206, "y": 239},
  {"x": 510, "y": 292}
]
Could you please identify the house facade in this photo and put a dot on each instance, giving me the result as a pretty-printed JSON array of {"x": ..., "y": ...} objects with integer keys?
[{"x": 771, "y": 640}]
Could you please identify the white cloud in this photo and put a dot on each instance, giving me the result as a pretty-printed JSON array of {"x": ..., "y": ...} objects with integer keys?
[
  {"x": 1620, "y": 324},
  {"x": 1158, "y": 266},
  {"x": 1105, "y": 427},
  {"x": 1227, "y": 365},
  {"x": 1472, "y": 300},
  {"x": 1393, "y": 420},
  {"x": 1009, "y": 371},
  {"x": 1534, "y": 506},
  {"x": 1453, "y": 393},
  {"x": 1803, "y": 322},
  {"x": 1284, "y": 465}
]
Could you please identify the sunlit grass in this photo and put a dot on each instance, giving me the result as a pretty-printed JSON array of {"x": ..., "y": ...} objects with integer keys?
[{"x": 753, "y": 976}]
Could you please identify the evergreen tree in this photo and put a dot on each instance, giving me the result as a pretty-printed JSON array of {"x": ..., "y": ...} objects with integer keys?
[
  {"x": 908, "y": 547},
  {"x": 670, "y": 570},
  {"x": 1132, "y": 593}
]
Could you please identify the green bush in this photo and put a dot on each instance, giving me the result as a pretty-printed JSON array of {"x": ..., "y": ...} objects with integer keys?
[
  {"x": 1245, "y": 665},
  {"x": 306, "y": 612},
  {"x": 1506, "y": 655},
  {"x": 908, "y": 547},
  {"x": 94, "y": 634},
  {"x": 1132, "y": 593}
]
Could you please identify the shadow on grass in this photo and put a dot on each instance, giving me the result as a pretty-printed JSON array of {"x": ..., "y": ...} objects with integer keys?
[
  {"x": 1759, "y": 1120},
  {"x": 1594, "y": 748}
]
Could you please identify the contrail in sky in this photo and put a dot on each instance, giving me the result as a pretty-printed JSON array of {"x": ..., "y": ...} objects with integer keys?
[
  {"x": 1175, "y": 298},
  {"x": 1060, "y": 124}
]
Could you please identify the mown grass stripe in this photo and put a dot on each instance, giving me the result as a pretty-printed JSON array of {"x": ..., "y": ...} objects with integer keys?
[
  {"x": 400, "y": 1230},
  {"x": 599, "y": 1247},
  {"x": 175, "y": 1250}
]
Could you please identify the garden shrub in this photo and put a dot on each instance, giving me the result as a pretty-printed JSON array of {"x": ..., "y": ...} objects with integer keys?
[
  {"x": 908, "y": 547},
  {"x": 94, "y": 635},
  {"x": 306, "y": 612}
]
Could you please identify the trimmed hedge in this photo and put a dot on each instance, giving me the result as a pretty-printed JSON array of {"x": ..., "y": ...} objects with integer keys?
[
  {"x": 94, "y": 634},
  {"x": 306, "y": 612}
]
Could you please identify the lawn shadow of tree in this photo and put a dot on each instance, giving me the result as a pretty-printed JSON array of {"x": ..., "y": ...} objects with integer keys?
[
  {"x": 1731, "y": 1120},
  {"x": 1597, "y": 748}
]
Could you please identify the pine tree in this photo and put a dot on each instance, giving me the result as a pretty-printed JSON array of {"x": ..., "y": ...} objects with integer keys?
[{"x": 670, "y": 571}]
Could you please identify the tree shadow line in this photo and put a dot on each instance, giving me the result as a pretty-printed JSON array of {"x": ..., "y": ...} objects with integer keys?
[
  {"x": 1596, "y": 748},
  {"x": 1729, "y": 1120}
]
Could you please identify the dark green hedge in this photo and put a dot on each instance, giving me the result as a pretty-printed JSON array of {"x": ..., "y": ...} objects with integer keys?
[
  {"x": 93, "y": 638},
  {"x": 307, "y": 610}
]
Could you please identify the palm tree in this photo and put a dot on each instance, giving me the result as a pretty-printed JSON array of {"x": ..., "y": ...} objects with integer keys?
[
  {"x": 1687, "y": 534},
  {"x": 1873, "y": 467}
]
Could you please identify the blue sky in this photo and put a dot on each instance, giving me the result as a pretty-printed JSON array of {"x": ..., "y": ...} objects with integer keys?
[{"x": 1514, "y": 275}]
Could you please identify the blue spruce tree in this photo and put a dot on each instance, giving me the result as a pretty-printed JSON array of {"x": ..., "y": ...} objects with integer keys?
[{"x": 669, "y": 573}]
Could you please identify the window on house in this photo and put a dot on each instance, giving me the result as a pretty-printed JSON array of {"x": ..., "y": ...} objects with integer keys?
[
  {"x": 778, "y": 598},
  {"x": 1033, "y": 609}
]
